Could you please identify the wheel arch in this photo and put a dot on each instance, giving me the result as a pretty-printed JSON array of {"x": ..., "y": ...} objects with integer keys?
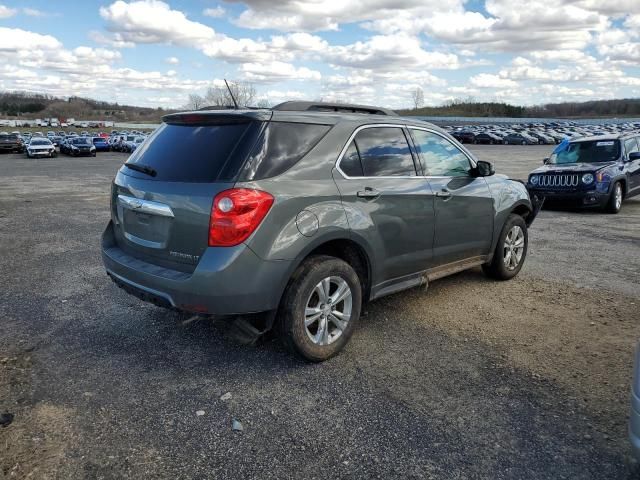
[{"x": 346, "y": 248}]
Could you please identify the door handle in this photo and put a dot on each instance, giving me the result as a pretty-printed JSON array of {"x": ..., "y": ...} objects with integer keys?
[
  {"x": 443, "y": 193},
  {"x": 368, "y": 192}
]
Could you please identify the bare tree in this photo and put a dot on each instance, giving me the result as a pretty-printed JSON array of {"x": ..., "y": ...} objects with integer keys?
[
  {"x": 195, "y": 102},
  {"x": 243, "y": 92},
  {"x": 417, "y": 96},
  {"x": 264, "y": 103}
]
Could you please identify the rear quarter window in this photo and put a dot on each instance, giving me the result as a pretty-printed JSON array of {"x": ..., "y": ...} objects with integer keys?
[{"x": 281, "y": 146}]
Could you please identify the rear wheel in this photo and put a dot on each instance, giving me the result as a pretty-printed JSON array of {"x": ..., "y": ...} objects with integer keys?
[
  {"x": 320, "y": 308},
  {"x": 524, "y": 142},
  {"x": 615, "y": 199},
  {"x": 511, "y": 250}
]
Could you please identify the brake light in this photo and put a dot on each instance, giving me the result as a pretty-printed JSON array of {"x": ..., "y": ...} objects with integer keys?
[{"x": 235, "y": 215}]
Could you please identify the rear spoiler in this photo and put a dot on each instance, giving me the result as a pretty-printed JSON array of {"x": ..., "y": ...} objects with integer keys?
[{"x": 216, "y": 117}]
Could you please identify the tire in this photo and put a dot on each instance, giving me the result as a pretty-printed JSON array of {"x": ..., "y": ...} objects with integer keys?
[
  {"x": 614, "y": 204},
  {"x": 500, "y": 268},
  {"x": 524, "y": 142},
  {"x": 506, "y": 142},
  {"x": 305, "y": 292}
]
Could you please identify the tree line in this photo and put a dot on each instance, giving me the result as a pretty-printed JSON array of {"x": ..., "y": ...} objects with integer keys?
[{"x": 469, "y": 107}]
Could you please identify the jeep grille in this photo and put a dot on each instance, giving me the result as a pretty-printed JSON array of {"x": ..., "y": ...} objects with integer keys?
[{"x": 559, "y": 180}]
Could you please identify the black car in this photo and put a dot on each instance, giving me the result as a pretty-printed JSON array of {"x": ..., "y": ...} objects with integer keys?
[
  {"x": 11, "y": 143},
  {"x": 78, "y": 146},
  {"x": 519, "y": 139},
  {"x": 464, "y": 136},
  {"x": 487, "y": 139},
  {"x": 591, "y": 172}
]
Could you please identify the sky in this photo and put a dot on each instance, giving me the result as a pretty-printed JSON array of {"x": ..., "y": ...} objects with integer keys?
[{"x": 155, "y": 53}]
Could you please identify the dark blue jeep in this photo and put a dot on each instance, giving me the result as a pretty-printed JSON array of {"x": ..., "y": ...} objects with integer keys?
[{"x": 597, "y": 171}]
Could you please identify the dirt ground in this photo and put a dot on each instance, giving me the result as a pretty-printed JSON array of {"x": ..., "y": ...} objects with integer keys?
[{"x": 470, "y": 379}]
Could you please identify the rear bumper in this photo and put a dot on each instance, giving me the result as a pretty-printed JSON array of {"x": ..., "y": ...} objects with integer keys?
[{"x": 227, "y": 280}]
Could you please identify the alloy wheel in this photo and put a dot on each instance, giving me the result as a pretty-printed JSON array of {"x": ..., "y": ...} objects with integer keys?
[
  {"x": 618, "y": 196},
  {"x": 328, "y": 310},
  {"x": 513, "y": 248}
]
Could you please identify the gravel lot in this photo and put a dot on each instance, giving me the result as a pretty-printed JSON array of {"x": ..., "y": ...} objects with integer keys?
[{"x": 472, "y": 379}]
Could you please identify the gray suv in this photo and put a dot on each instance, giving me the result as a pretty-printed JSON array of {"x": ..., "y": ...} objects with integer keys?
[{"x": 304, "y": 212}]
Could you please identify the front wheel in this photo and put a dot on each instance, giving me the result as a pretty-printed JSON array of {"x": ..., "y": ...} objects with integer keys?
[
  {"x": 614, "y": 205},
  {"x": 320, "y": 308},
  {"x": 511, "y": 250}
]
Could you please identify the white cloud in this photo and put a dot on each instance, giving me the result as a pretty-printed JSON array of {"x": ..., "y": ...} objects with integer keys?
[
  {"x": 34, "y": 12},
  {"x": 114, "y": 40},
  {"x": 14, "y": 39},
  {"x": 172, "y": 60},
  {"x": 389, "y": 52},
  {"x": 216, "y": 12},
  {"x": 487, "y": 80},
  {"x": 277, "y": 71},
  {"x": 153, "y": 21},
  {"x": 6, "y": 12},
  {"x": 296, "y": 15}
]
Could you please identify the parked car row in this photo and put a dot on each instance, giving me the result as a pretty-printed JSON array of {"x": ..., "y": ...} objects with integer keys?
[
  {"x": 534, "y": 133},
  {"x": 37, "y": 144}
]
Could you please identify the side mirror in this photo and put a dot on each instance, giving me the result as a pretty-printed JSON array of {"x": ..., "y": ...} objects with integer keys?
[
  {"x": 545, "y": 161},
  {"x": 484, "y": 169},
  {"x": 634, "y": 156}
]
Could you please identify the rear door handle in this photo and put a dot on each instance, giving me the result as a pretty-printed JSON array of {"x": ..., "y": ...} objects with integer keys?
[
  {"x": 368, "y": 192},
  {"x": 443, "y": 193}
]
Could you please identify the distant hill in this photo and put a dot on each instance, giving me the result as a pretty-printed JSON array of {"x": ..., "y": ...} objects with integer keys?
[
  {"x": 33, "y": 105},
  {"x": 626, "y": 107}
]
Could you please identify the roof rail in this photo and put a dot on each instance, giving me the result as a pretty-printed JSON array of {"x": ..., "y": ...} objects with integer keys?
[{"x": 296, "y": 106}]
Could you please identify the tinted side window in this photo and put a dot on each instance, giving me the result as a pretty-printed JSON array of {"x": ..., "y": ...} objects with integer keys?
[
  {"x": 631, "y": 145},
  {"x": 442, "y": 158},
  {"x": 350, "y": 163},
  {"x": 281, "y": 146},
  {"x": 384, "y": 152}
]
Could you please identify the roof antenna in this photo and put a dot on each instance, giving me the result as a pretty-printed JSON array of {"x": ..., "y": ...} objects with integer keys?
[{"x": 231, "y": 93}]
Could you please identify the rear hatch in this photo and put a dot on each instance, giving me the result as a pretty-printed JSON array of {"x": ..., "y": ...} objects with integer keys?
[{"x": 162, "y": 196}]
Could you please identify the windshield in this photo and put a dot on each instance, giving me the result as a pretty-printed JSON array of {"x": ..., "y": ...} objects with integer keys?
[
  {"x": 80, "y": 141},
  {"x": 40, "y": 142},
  {"x": 595, "y": 151}
]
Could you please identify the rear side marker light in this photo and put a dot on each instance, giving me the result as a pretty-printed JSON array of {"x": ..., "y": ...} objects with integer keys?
[{"x": 235, "y": 214}]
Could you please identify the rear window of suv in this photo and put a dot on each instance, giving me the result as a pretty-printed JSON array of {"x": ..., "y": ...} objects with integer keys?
[{"x": 196, "y": 153}]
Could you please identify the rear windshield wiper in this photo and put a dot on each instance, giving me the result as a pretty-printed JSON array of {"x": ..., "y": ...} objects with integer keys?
[{"x": 141, "y": 168}]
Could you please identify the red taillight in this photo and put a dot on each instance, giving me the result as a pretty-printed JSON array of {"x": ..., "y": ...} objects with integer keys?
[{"x": 235, "y": 215}]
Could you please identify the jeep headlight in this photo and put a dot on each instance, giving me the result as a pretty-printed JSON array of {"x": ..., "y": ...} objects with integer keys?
[
  {"x": 534, "y": 180},
  {"x": 588, "y": 178}
]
